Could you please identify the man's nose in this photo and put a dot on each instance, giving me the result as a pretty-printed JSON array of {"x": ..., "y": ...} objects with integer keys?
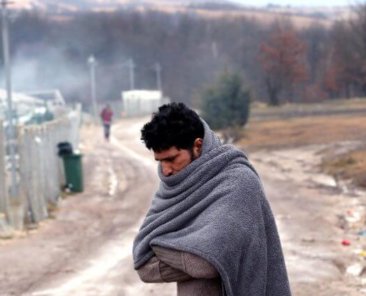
[{"x": 167, "y": 169}]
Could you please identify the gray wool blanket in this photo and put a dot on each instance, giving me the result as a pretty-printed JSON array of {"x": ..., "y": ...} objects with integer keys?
[{"x": 215, "y": 208}]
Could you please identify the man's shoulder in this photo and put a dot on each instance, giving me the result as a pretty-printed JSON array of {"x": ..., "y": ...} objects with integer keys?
[{"x": 242, "y": 175}]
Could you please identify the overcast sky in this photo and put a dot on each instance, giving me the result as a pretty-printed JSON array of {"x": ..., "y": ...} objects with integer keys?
[{"x": 300, "y": 2}]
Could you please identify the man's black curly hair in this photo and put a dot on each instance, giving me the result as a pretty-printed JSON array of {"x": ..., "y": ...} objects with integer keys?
[{"x": 173, "y": 125}]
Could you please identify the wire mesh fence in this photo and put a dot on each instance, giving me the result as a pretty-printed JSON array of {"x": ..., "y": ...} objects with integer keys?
[{"x": 40, "y": 175}]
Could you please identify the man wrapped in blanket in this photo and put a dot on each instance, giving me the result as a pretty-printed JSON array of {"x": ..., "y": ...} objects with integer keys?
[{"x": 210, "y": 227}]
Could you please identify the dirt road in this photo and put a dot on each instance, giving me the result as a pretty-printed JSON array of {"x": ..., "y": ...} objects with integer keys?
[{"x": 85, "y": 249}]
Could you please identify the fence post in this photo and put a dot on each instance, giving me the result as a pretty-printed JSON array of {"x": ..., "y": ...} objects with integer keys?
[
  {"x": 16, "y": 209},
  {"x": 52, "y": 189},
  {"x": 37, "y": 167},
  {"x": 4, "y": 202},
  {"x": 29, "y": 174},
  {"x": 56, "y": 162}
]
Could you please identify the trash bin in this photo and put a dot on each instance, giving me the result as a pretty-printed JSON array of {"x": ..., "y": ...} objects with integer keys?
[
  {"x": 73, "y": 172},
  {"x": 72, "y": 167},
  {"x": 64, "y": 148}
]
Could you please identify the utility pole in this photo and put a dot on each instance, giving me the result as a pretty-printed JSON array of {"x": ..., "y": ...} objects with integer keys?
[
  {"x": 92, "y": 64},
  {"x": 132, "y": 74},
  {"x": 158, "y": 77},
  {"x": 11, "y": 131},
  {"x": 214, "y": 49}
]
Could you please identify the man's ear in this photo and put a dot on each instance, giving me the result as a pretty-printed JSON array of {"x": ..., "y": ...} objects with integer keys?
[{"x": 197, "y": 147}]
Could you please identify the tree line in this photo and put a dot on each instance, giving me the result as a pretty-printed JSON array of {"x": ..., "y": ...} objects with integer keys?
[{"x": 278, "y": 63}]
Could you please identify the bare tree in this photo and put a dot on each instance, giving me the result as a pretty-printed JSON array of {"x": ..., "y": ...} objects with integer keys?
[{"x": 282, "y": 58}]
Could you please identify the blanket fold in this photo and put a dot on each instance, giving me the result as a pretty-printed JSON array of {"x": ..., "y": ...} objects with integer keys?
[{"x": 215, "y": 208}]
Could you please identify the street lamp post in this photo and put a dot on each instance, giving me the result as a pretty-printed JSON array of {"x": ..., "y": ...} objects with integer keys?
[
  {"x": 10, "y": 128},
  {"x": 158, "y": 76},
  {"x": 132, "y": 73},
  {"x": 92, "y": 64}
]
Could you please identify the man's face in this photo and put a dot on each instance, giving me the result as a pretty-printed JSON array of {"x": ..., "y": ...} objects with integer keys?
[{"x": 174, "y": 160}]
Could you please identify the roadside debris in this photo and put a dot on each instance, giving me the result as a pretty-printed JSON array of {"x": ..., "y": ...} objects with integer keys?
[
  {"x": 346, "y": 242},
  {"x": 362, "y": 233},
  {"x": 355, "y": 269}
]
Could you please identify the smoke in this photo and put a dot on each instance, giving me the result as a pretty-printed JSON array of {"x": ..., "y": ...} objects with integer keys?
[{"x": 47, "y": 68}]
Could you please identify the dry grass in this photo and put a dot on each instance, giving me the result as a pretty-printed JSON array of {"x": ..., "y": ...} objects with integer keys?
[
  {"x": 276, "y": 134},
  {"x": 349, "y": 166}
]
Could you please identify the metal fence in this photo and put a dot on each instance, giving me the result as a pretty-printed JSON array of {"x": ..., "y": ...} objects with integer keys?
[{"x": 40, "y": 170}]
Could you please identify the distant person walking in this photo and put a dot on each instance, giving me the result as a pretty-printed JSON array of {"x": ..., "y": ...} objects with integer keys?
[{"x": 106, "y": 116}]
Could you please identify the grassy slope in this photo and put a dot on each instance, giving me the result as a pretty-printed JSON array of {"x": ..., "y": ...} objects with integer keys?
[{"x": 284, "y": 132}]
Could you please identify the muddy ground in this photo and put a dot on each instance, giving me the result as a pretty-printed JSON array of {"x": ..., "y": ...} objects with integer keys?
[{"x": 85, "y": 247}]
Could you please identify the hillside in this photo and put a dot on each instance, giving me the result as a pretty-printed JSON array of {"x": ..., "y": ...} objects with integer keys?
[
  {"x": 74, "y": 5},
  {"x": 301, "y": 16}
]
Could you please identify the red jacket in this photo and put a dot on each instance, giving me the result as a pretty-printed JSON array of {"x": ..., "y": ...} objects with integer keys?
[{"x": 106, "y": 115}]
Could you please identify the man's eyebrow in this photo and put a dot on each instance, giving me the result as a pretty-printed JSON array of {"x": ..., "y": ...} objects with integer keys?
[{"x": 169, "y": 158}]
